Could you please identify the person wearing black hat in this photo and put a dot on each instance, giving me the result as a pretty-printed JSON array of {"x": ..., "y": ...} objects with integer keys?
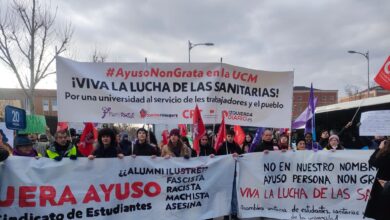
[
  {"x": 175, "y": 147},
  {"x": 126, "y": 145},
  {"x": 142, "y": 147},
  {"x": 107, "y": 146},
  {"x": 23, "y": 146}
]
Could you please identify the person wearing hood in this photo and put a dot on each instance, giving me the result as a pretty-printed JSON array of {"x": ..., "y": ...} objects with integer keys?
[
  {"x": 142, "y": 147},
  {"x": 175, "y": 147},
  {"x": 62, "y": 147},
  {"x": 23, "y": 146},
  {"x": 229, "y": 146},
  {"x": 266, "y": 143},
  {"x": 107, "y": 147},
  {"x": 125, "y": 145},
  {"x": 247, "y": 143}
]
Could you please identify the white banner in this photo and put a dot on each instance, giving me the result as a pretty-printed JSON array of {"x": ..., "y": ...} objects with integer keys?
[
  {"x": 375, "y": 123},
  {"x": 140, "y": 188},
  {"x": 305, "y": 184},
  {"x": 166, "y": 93}
]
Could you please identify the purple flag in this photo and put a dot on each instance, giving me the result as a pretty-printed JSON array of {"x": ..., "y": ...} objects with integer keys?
[
  {"x": 310, "y": 121},
  {"x": 306, "y": 115},
  {"x": 256, "y": 139}
]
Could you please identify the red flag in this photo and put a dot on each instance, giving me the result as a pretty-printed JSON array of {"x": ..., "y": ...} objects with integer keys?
[
  {"x": 62, "y": 126},
  {"x": 239, "y": 136},
  {"x": 88, "y": 137},
  {"x": 221, "y": 134},
  {"x": 165, "y": 135},
  {"x": 183, "y": 130},
  {"x": 199, "y": 129},
  {"x": 383, "y": 76}
]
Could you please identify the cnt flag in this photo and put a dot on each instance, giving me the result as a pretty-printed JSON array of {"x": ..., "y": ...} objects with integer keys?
[
  {"x": 199, "y": 128},
  {"x": 383, "y": 76}
]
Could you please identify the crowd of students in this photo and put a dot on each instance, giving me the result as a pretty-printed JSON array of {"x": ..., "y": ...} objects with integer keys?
[{"x": 111, "y": 143}]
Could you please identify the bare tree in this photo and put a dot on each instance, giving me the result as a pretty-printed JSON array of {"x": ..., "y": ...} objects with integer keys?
[
  {"x": 351, "y": 90},
  {"x": 29, "y": 43},
  {"x": 98, "y": 57}
]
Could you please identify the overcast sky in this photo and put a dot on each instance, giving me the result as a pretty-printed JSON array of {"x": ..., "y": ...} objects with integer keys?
[{"x": 310, "y": 37}]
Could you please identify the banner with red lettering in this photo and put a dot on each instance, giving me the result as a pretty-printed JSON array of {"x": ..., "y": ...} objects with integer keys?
[
  {"x": 305, "y": 184},
  {"x": 129, "y": 188},
  {"x": 166, "y": 93}
]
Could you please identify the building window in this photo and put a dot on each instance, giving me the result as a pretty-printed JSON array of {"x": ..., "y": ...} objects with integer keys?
[
  {"x": 324, "y": 98},
  {"x": 54, "y": 105},
  {"x": 45, "y": 105},
  {"x": 331, "y": 98},
  {"x": 299, "y": 98}
]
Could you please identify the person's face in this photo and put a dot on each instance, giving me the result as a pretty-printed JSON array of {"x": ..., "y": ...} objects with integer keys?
[
  {"x": 267, "y": 136},
  {"x": 33, "y": 137},
  {"x": 25, "y": 149},
  {"x": 62, "y": 139},
  {"x": 301, "y": 145},
  {"x": 248, "y": 138},
  {"x": 204, "y": 140},
  {"x": 325, "y": 135},
  {"x": 174, "y": 138},
  {"x": 117, "y": 138},
  {"x": 308, "y": 138},
  {"x": 141, "y": 136},
  {"x": 283, "y": 140},
  {"x": 106, "y": 139},
  {"x": 333, "y": 142},
  {"x": 229, "y": 138}
]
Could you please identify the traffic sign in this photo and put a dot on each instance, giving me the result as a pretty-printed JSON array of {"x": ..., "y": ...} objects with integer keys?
[{"x": 15, "y": 118}]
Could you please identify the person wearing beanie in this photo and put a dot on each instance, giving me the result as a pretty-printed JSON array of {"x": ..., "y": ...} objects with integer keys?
[
  {"x": 142, "y": 147},
  {"x": 334, "y": 143},
  {"x": 107, "y": 146},
  {"x": 23, "y": 146},
  {"x": 175, "y": 147}
]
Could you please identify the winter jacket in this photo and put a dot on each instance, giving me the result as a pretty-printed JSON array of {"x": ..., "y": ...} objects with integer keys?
[
  {"x": 3, "y": 154},
  {"x": 264, "y": 145},
  {"x": 378, "y": 203},
  {"x": 206, "y": 150},
  {"x": 229, "y": 148},
  {"x": 57, "y": 152},
  {"x": 177, "y": 151},
  {"x": 106, "y": 152},
  {"x": 126, "y": 147},
  {"x": 144, "y": 149}
]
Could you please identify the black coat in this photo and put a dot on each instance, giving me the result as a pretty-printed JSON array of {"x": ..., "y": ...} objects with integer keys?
[
  {"x": 230, "y": 147},
  {"x": 378, "y": 203},
  {"x": 3, "y": 154},
  {"x": 126, "y": 147},
  {"x": 144, "y": 149},
  {"x": 109, "y": 152},
  {"x": 206, "y": 150},
  {"x": 264, "y": 145}
]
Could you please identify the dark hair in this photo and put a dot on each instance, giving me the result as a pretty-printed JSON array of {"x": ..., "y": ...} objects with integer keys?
[
  {"x": 107, "y": 132},
  {"x": 185, "y": 140},
  {"x": 230, "y": 132},
  {"x": 142, "y": 129}
]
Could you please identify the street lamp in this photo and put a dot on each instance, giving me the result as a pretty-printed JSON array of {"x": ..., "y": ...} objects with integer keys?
[
  {"x": 192, "y": 45},
  {"x": 366, "y": 55}
]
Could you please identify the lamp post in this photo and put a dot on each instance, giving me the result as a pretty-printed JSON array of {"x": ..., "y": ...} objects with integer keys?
[
  {"x": 366, "y": 55},
  {"x": 192, "y": 45}
]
